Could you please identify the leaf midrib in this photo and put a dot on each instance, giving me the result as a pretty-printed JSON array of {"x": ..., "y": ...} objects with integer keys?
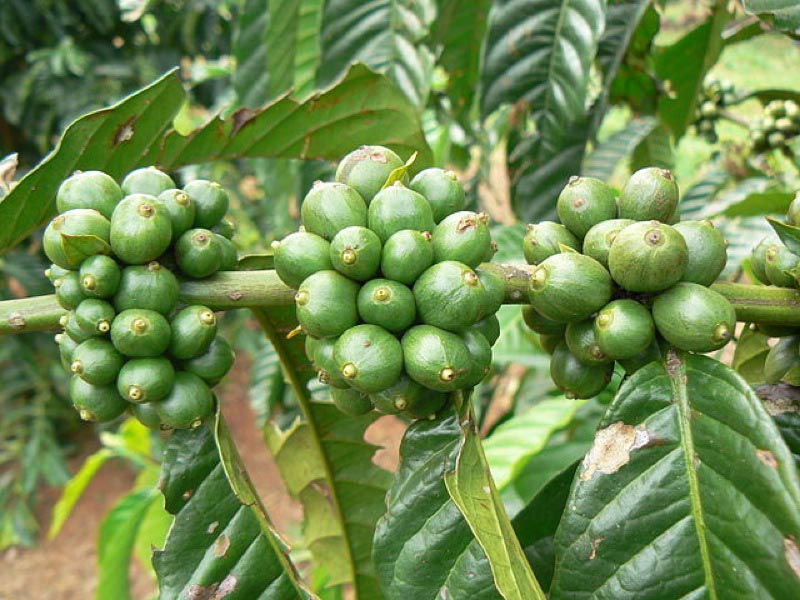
[{"x": 676, "y": 372}]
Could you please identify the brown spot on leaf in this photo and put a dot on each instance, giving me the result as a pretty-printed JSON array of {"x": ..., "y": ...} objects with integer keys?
[
  {"x": 221, "y": 545},
  {"x": 215, "y": 591},
  {"x": 595, "y": 544},
  {"x": 612, "y": 449},
  {"x": 213, "y": 527},
  {"x": 235, "y": 295},
  {"x": 125, "y": 131},
  {"x": 767, "y": 457},
  {"x": 241, "y": 118},
  {"x": 187, "y": 494},
  {"x": 673, "y": 362},
  {"x": 792, "y": 554}
]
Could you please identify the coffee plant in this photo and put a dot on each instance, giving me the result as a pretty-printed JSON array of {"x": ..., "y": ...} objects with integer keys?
[{"x": 474, "y": 219}]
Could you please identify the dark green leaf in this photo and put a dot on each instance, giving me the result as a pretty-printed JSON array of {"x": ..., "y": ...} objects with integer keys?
[
  {"x": 338, "y": 535},
  {"x": 276, "y": 48},
  {"x": 362, "y": 108},
  {"x": 688, "y": 491},
  {"x": 326, "y": 463},
  {"x": 459, "y": 30},
  {"x": 619, "y": 146},
  {"x": 422, "y": 525},
  {"x": 386, "y": 35},
  {"x": 765, "y": 96},
  {"x": 113, "y": 139},
  {"x": 254, "y": 80},
  {"x": 541, "y": 53},
  {"x": 789, "y": 234},
  {"x": 116, "y": 541},
  {"x": 472, "y": 489},
  {"x": 782, "y": 14},
  {"x": 221, "y": 542},
  {"x": 544, "y": 171},
  {"x": 741, "y": 233},
  {"x": 683, "y": 67}
]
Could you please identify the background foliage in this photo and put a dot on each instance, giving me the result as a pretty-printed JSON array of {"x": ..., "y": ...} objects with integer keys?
[{"x": 516, "y": 95}]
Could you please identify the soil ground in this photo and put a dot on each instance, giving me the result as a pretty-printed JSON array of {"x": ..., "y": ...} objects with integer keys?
[{"x": 64, "y": 568}]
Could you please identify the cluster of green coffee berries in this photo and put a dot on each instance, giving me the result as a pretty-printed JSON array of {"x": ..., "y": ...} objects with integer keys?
[
  {"x": 716, "y": 96},
  {"x": 780, "y": 123},
  {"x": 620, "y": 278},
  {"x": 389, "y": 293},
  {"x": 772, "y": 263},
  {"x": 116, "y": 251}
]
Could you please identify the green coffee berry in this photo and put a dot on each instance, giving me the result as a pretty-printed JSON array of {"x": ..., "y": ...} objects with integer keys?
[
  {"x": 326, "y": 304},
  {"x": 462, "y": 236},
  {"x": 584, "y": 202},
  {"x": 575, "y": 378},
  {"x": 188, "y": 403},
  {"x": 356, "y": 253},
  {"x": 599, "y": 238},
  {"x": 141, "y": 229},
  {"x": 146, "y": 379},
  {"x": 100, "y": 276},
  {"x": 442, "y": 191},
  {"x": 397, "y": 208},
  {"x": 193, "y": 330},
  {"x": 96, "y": 361},
  {"x": 330, "y": 207},
  {"x": 150, "y": 286},
  {"x": 97, "y": 403},
  {"x": 199, "y": 253},
  {"x": 406, "y": 255},
  {"x": 181, "y": 210},
  {"x": 582, "y": 343},
  {"x": 707, "y": 251},
  {"x": 369, "y": 358},
  {"x": 569, "y": 287},
  {"x": 648, "y": 257},
  {"x": 89, "y": 189},
  {"x": 650, "y": 194},
  {"x": 75, "y": 222},
  {"x": 299, "y": 255},
  {"x": 366, "y": 169},
  {"x": 545, "y": 239},
  {"x": 387, "y": 303},
  {"x": 210, "y": 200},
  {"x": 449, "y": 295},
  {"x": 694, "y": 318},
  {"x": 436, "y": 359},
  {"x": 624, "y": 329},
  {"x": 140, "y": 333},
  {"x": 148, "y": 180}
]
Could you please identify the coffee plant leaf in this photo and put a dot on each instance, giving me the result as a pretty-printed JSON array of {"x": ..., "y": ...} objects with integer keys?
[
  {"x": 603, "y": 160},
  {"x": 789, "y": 234},
  {"x": 688, "y": 490},
  {"x": 473, "y": 490},
  {"x": 782, "y": 14},
  {"x": 516, "y": 441},
  {"x": 750, "y": 354},
  {"x": 136, "y": 132},
  {"x": 327, "y": 465},
  {"x": 221, "y": 542},
  {"x": 339, "y": 536},
  {"x": 683, "y": 67},
  {"x": 548, "y": 72},
  {"x": 423, "y": 525},
  {"x": 535, "y": 525},
  {"x": 116, "y": 542},
  {"x": 760, "y": 203},
  {"x": 387, "y": 35},
  {"x": 459, "y": 31}
]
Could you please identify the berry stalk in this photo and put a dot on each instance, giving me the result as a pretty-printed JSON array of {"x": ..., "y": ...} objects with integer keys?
[{"x": 244, "y": 289}]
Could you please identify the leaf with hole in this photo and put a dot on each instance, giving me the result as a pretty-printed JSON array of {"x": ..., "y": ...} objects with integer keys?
[
  {"x": 688, "y": 490},
  {"x": 221, "y": 541}
]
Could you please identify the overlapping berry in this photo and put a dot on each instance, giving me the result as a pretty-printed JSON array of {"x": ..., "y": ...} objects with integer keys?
[
  {"x": 117, "y": 253},
  {"x": 396, "y": 310},
  {"x": 621, "y": 279}
]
